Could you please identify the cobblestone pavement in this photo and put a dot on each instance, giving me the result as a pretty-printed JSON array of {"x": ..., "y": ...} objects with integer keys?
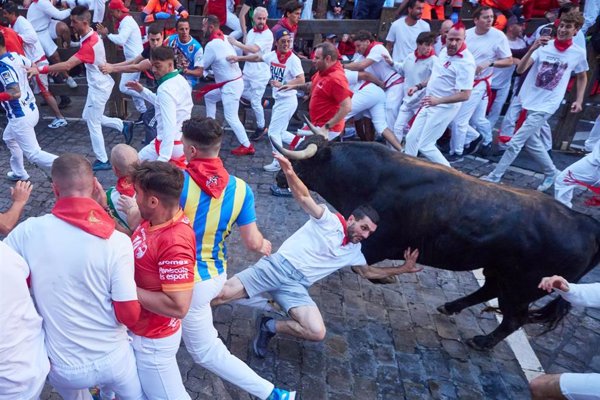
[{"x": 383, "y": 342}]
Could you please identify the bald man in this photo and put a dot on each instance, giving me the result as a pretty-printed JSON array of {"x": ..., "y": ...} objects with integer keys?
[
  {"x": 82, "y": 277},
  {"x": 120, "y": 199}
]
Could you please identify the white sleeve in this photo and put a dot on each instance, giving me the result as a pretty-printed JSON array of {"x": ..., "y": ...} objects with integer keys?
[
  {"x": 208, "y": 58},
  {"x": 503, "y": 49},
  {"x": 296, "y": 67},
  {"x": 582, "y": 65},
  {"x": 47, "y": 8},
  {"x": 149, "y": 96},
  {"x": 198, "y": 57},
  {"x": 582, "y": 294},
  {"x": 17, "y": 238},
  {"x": 28, "y": 35},
  {"x": 391, "y": 36},
  {"x": 376, "y": 53},
  {"x": 328, "y": 220},
  {"x": 465, "y": 74},
  {"x": 352, "y": 77},
  {"x": 124, "y": 33},
  {"x": 99, "y": 8},
  {"x": 122, "y": 281},
  {"x": 168, "y": 114}
]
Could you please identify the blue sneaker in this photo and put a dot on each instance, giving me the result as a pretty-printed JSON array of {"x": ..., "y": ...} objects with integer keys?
[
  {"x": 127, "y": 131},
  {"x": 280, "y": 192},
  {"x": 281, "y": 394},
  {"x": 101, "y": 166},
  {"x": 261, "y": 341}
]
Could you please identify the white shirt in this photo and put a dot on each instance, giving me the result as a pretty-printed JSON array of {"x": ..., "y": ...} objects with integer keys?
[
  {"x": 405, "y": 37},
  {"x": 578, "y": 39},
  {"x": 582, "y": 294},
  {"x": 283, "y": 72},
  {"x": 546, "y": 83},
  {"x": 41, "y": 12},
  {"x": 490, "y": 46},
  {"x": 438, "y": 46},
  {"x": 264, "y": 40},
  {"x": 316, "y": 248},
  {"x": 451, "y": 74},
  {"x": 23, "y": 359},
  {"x": 93, "y": 55},
  {"x": 353, "y": 81},
  {"x": 502, "y": 76},
  {"x": 415, "y": 72},
  {"x": 215, "y": 57},
  {"x": 97, "y": 6},
  {"x": 129, "y": 37},
  {"x": 31, "y": 43},
  {"x": 75, "y": 277},
  {"x": 173, "y": 105},
  {"x": 380, "y": 68}
]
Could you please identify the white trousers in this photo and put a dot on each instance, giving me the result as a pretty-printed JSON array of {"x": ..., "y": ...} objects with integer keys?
[
  {"x": 529, "y": 137},
  {"x": 428, "y": 127},
  {"x": 510, "y": 121},
  {"x": 407, "y": 111},
  {"x": 371, "y": 100},
  {"x": 283, "y": 111},
  {"x": 591, "y": 141},
  {"x": 115, "y": 372},
  {"x": 496, "y": 109},
  {"x": 585, "y": 170},
  {"x": 254, "y": 89},
  {"x": 148, "y": 152},
  {"x": 393, "y": 99},
  {"x": 138, "y": 102},
  {"x": 93, "y": 114},
  {"x": 580, "y": 386},
  {"x": 462, "y": 132},
  {"x": 202, "y": 342},
  {"x": 233, "y": 23},
  {"x": 19, "y": 136},
  {"x": 157, "y": 367},
  {"x": 230, "y": 95}
]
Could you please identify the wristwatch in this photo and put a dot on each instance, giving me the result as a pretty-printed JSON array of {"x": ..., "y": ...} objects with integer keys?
[
  {"x": 327, "y": 126},
  {"x": 491, "y": 63}
]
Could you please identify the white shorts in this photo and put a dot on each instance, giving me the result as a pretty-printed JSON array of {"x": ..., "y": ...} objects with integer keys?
[
  {"x": 580, "y": 386},
  {"x": 47, "y": 42}
]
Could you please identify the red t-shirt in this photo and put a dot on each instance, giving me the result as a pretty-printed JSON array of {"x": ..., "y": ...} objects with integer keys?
[
  {"x": 329, "y": 89},
  {"x": 13, "y": 41},
  {"x": 165, "y": 256}
]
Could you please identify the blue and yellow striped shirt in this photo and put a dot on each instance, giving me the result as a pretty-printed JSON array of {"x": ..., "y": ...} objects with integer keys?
[{"x": 212, "y": 220}]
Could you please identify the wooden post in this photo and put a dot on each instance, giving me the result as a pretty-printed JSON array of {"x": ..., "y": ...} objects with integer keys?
[
  {"x": 388, "y": 16},
  {"x": 321, "y": 10}
]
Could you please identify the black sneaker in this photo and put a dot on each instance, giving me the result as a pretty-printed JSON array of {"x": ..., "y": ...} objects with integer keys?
[
  {"x": 474, "y": 145},
  {"x": 244, "y": 102},
  {"x": 262, "y": 338},
  {"x": 65, "y": 101},
  {"x": 140, "y": 120},
  {"x": 486, "y": 150},
  {"x": 101, "y": 166},
  {"x": 455, "y": 158},
  {"x": 258, "y": 134},
  {"x": 127, "y": 131},
  {"x": 280, "y": 192}
]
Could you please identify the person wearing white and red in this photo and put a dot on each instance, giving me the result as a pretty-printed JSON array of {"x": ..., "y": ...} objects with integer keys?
[
  {"x": 228, "y": 86},
  {"x": 129, "y": 36},
  {"x": 371, "y": 57},
  {"x": 173, "y": 105},
  {"x": 416, "y": 69},
  {"x": 584, "y": 172},
  {"x": 23, "y": 358},
  {"x": 286, "y": 69},
  {"x": 41, "y": 13},
  {"x": 292, "y": 12},
  {"x": 224, "y": 10},
  {"x": 402, "y": 36},
  {"x": 92, "y": 55},
  {"x": 450, "y": 84},
  {"x": 34, "y": 51},
  {"x": 551, "y": 62},
  {"x": 440, "y": 42},
  {"x": 83, "y": 285},
  {"x": 259, "y": 40},
  {"x": 164, "y": 245},
  {"x": 490, "y": 48}
]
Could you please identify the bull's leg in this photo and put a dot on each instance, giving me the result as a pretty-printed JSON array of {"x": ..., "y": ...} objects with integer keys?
[{"x": 488, "y": 291}]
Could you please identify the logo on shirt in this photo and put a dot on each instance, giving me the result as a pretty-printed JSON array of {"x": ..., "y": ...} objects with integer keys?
[
  {"x": 212, "y": 181},
  {"x": 447, "y": 64},
  {"x": 139, "y": 244},
  {"x": 173, "y": 274},
  {"x": 550, "y": 74}
]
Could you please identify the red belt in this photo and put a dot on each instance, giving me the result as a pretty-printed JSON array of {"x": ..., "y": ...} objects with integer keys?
[
  {"x": 42, "y": 58},
  {"x": 364, "y": 84},
  {"x": 398, "y": 81},
  {"x": 488, "y": 87},
  {"x": 213, "y": 86},
  {"x": 179, "y": 162}
]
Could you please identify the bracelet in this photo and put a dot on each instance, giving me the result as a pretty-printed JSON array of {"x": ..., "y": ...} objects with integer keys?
[
  {"x": 44, "y": 70},
  {"x": 419, "y": 86}
]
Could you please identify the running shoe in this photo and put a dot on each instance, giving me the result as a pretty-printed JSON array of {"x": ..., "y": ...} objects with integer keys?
[
  {"x": 273, "y": 167},
  {"x": 262, "y": 339},
  {"x": 127, "y": 131},
  {"x": 242, "y": 150},
  {"x": 547, "y": 182},
  {"x": 101, "y": 166},
  {"x": 15, "y": 178},
  {"x": 281, "y": 394},
  {"x": 258, "y": 134},
  {"x": 491, "y": 178},
  {"x": 57, "y": 123},
  {"x": 71, "y": 82}
]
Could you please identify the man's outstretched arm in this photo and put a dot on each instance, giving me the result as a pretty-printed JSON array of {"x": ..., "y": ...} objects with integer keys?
[
  {"x": 299, "y": 189},
  {"x": 409, "y": 266}
]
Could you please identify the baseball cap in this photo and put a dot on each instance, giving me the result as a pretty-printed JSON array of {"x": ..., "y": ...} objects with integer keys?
[
  {"x": 515, "y": 20},
  {"x": 330, "y": 36},
  {"x": 278, "y": 34},
  {"x": 118, "y": 5}
]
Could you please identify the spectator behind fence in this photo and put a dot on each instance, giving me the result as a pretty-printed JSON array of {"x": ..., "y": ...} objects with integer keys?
[{"x": 335, "y": 9}]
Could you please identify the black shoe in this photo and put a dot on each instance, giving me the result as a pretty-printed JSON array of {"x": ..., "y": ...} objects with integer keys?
[
  {"x": 244, "y": 102},
  {"x": 280, "y": 192},
  {"x": 101, "y": 166},
  {"x": 140, "y": 120},
  {"x": 258, "y": 134},
  {"x": 127, "y": 131},
  {"x": 65, "y": 101},
  {"x": 262, "y": 338},
  {"x": 455, "y": 158},
  {"x": 474, "y": 145},
  {"x": 486, "y": 150}
]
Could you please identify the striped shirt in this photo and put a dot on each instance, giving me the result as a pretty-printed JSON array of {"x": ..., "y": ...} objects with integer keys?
[
  {"x": 13, "y": 73},
  {"x": 212, "y": 220}
]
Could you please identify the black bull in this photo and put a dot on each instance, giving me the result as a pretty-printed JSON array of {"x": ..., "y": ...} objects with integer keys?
[{"x": 459, "y": 223}]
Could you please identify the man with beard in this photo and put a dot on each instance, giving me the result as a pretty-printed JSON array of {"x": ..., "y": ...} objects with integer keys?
[
  {"x": 402, "y": 37},
  {"x": 324, "y": 244}
]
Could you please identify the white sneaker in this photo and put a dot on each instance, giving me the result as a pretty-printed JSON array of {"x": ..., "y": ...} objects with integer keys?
[
  {"x": 71, "y": 82},
  {"x": 273, "y": 167},
  {"x": 15, "y": 178},
  {"x": 57, "y": 123},
  {"x": 547, "y": 182},
  {"x": 491, "y": 178}
]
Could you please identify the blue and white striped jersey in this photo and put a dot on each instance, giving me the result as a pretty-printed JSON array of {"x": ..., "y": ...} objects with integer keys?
[{"x": 13, "y": 72}]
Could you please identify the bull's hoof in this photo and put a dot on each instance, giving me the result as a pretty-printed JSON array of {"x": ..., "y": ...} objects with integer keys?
[
  {"x": 444, "y": 310},
  {"x": 479, "y": 343}
]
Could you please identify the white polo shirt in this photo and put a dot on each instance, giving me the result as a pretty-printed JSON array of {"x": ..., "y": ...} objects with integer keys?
[
  {"x": 490, "y": 46},
  {"x": 75, "y": 277},
  {"x": 41, "y": 12},
  {"x": 31, "y": 43},
  {"x": 23, "y": 359},
  {"x": 283, "y": 72},
  {"x": 451, "y": 74},
  {"x": 264, "y": 40},
  {"x": 215, "y": 57},
  {"x": 129, "y": 36},
  {"x": 380, "y": 68},
  {"x": 502, "y": 76},
  {"x": 405, "y": 37},
  {"x": 93, "y": 55},
  {"x": 316, "y": 248}
]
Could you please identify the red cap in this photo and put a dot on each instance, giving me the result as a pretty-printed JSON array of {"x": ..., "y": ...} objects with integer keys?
[{"x": 118, "y": 5}]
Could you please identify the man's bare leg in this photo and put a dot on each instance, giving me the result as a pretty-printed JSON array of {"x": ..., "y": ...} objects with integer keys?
[
  {"x": 546, "y": 387},
  {"x": 306, "y": 323},
  {"x": 232, "y": 290}
]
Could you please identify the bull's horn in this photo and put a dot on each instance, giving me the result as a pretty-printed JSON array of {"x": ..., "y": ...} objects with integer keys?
[
  {"x": 308, "y": 152},
  {"x": 314, "y": 129}
]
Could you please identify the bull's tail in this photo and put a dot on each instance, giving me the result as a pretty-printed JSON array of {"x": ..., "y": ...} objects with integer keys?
[{"x": 550, "y": 315}]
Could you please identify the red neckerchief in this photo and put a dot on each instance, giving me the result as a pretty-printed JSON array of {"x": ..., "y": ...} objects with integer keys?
[
  {"x": 556, "y": 23},
  {"x": 333, "y": 68},
  {"x": 346, "y": 240},
  {"x": 462, "y": 48},
  {"x": 369, "y": 47},
  {"x": 443, "y": 40},
  {"x": 562, "y": 45},
  {"x": 216, "y": 34},
  {"x": 117, "y": 23},
  {"x": 282, "y": 58},
  {"x": 209, "y": 174},
  {"x": 265, "y": 28},
  {"x": 286, "y": 24},
  {"x": 420, "y": 57},
  {"x": 86, "y": 214},
  {"x": 125, "y": 187}
]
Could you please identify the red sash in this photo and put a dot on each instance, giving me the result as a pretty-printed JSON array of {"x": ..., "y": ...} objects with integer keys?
[
  {"x": 212, "y": 86},
  {"x": 179, "y": 162}
]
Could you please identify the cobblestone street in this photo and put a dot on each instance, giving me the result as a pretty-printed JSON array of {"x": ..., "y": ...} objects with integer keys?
[{"x": 383, "y": 341}]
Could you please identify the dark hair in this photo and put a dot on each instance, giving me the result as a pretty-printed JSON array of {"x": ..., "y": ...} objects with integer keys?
[
  {"x": 155, "y": 29},
  {"x": 365, "y": 210},
  {"x": 213, "y": 20},
  {"x": 479, "y": 10},
  {"x": 180, "y": 21},
  {"x": 162, "y": 53},
  {"x": 566, "y": 8},
  {"x": 161, "y": 179},
  {"x": 290, "y": 7},
  {"x": 328, "y": 49},
  {"x": 426, "y": 38},
  {"x": 412, "y": 3},
  {"x": 2, "y": 41},
  {"x": 82, "y": 13},
  {"x": 363, "y": 35},
  {"x": 206, "y": 133},
  {"x": 11, "y": 8},
  {"x": 4, "y": 21}
]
